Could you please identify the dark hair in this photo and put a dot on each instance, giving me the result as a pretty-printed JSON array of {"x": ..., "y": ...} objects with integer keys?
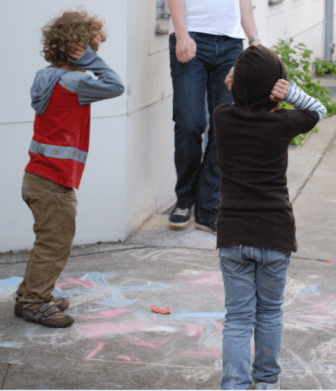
[{"x": 63, "y": 34}]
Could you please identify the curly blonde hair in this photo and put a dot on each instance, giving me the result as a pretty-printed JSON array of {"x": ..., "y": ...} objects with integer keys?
[{"x": 62, "y": 34}]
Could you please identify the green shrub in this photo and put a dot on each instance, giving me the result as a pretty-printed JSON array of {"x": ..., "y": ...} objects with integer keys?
[
  {"x": 299, "y": 64},
  {"x": 324, "y": 67}
]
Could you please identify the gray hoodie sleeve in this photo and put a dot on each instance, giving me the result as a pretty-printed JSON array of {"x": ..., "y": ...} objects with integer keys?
[{"x": 108, "y": 84}]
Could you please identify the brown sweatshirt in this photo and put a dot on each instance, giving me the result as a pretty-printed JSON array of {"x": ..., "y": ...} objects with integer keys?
[{"x": 252, "y": 152}]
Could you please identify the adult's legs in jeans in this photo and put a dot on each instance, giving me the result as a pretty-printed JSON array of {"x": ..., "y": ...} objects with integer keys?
[
  {"x": 271, "y": 281},
  {"x": 189, "y": 84},
  {"x": 207, "y": 194}
]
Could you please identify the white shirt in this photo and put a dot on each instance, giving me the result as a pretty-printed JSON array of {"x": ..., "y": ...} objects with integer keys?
[{"x": 217, "y": 17}]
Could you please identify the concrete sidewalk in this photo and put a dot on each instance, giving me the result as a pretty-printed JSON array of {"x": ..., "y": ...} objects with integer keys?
[{"x": 118, "y": 342}]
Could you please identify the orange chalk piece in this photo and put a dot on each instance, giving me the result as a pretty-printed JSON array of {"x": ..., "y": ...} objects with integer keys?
[
  {"x": 329, "y": 260},
  {"x": 163, "y": 310}
]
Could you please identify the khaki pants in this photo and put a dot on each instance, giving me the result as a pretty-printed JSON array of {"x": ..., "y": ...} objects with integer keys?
[{"x": 54, "y": 209}]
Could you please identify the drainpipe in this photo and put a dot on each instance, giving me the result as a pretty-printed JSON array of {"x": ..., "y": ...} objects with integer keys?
[{"x": 329, "y": 45}]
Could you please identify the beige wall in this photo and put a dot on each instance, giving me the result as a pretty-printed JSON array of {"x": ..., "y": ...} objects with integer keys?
[{"x": 302, "y": 20}]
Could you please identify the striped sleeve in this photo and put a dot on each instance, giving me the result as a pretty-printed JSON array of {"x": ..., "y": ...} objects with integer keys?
[{"x": 300, "y": 100}]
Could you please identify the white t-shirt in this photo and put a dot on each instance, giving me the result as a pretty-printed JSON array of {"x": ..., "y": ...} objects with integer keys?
[{"x": 217, "y": 17}]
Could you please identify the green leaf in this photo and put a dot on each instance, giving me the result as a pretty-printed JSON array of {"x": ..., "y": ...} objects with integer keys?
[{"x": 298, "y": 63}]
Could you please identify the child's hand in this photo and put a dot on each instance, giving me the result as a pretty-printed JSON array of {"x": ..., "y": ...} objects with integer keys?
[
  {"x": 229, "y": 79},
  {"x": 96, "y": 42},
  {"x": 96, "y": 31},
  {"x": 77, "y": 52},
  {"x": 279, "y": 91}
]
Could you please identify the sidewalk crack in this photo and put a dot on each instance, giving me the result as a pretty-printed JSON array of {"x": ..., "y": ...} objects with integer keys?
[{"x": 3, "y": 383}]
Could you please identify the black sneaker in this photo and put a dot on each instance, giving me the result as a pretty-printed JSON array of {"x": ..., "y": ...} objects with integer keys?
[
  {"x": 179, "y": 218},
  {"x": 209, "y": 227}
]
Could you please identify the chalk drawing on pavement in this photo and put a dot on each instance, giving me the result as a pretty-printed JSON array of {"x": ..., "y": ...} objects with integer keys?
[
  {"x": 113, "y": 309},
  {"x": 8, "y": 286}
]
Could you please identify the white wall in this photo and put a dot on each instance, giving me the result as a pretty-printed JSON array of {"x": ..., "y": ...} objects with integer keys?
[
  {"x": 150, "y": 130},
  {"x": 130, "y": 168},
  {"x": 101, "y": 197},
  {"x": 302, "y": 20}
]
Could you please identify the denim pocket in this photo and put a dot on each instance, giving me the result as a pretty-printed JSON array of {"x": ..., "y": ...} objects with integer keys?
[
  {"x": 231, "y": 259},
  {"x": 275, "y": 261},
  {"x": 172, "y": 40}
]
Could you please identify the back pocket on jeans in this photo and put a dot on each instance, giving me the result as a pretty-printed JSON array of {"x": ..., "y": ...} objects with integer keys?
[{"x": 230, "y": 259}]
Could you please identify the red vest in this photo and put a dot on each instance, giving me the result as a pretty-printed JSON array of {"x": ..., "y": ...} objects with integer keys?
[{"x": 61, "y": 139}]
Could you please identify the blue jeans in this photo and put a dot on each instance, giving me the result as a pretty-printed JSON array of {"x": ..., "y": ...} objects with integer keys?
[
  {"x": 198, "y": 176},
  {"x": 254, "y": 282}
]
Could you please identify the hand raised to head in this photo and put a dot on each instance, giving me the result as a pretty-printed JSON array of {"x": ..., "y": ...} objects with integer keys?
[
  {"x": 77, "y": 51},
  {"x": 279, "y": 91}
]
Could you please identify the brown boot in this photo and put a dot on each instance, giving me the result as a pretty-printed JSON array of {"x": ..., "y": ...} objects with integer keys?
[
  {"x": 46, "y": 314},
  {"x": 61, "y": 303}
]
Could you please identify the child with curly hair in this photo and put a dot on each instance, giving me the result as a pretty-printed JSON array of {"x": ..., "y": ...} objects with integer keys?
[
  {"x": 256, "y": 227},
  {"x": 61, "y": 96}
]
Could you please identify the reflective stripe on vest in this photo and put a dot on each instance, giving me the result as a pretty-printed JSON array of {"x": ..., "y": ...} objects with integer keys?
[{"x": 58, "y": 152}]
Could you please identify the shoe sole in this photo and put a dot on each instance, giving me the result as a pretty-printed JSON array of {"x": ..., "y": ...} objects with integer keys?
[
  {"x": 54, "y": 326},
  {"x": 61, "y": 305},
  {"x": 205, "y": 228},
  {"x": 265, "y": 386},
  {"x": 178, "y": 226}
]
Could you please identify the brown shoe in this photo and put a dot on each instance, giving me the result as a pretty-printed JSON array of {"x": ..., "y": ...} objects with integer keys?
[
  {"x": 46, "y": 314},
  {"x": 61, "y": 303}
]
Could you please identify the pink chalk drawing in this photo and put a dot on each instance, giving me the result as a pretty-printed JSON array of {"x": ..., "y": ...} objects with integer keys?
[
  {"x": 153, "y": 345},
  {"x": 205, "y": 278},
  {"x": 309, "y": 313},
  {"x": 220, "y": 297},
  {"x": 194, "y": 329},
  {"x": 73, "y": 281},
  {"x": 106, "y": 314},
  {"x": 218, "y": 326},
  {"x": 95, "y": 351},
  {"x": 101, "y": 329},
  {"x": 209, "y": 281},
  {"x": 128, "y": 358}
]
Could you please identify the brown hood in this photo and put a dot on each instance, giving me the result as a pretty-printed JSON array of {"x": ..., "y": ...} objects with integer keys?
[{"x": 256, "y": 71}]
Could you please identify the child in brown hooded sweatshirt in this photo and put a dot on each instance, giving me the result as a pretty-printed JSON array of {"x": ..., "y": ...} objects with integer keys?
[{"x": 255, "y": 227}]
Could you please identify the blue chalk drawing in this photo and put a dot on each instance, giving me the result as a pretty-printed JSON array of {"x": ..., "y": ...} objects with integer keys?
[
  {"x": 149, "y": 286},
  {"x": 10, "y": 345},
  {"x": 313, "y": 289},
  {"x": 9, "y": 285},
  {"x": 99, "y": 279},
  {"x": 111, "y": 296}
]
